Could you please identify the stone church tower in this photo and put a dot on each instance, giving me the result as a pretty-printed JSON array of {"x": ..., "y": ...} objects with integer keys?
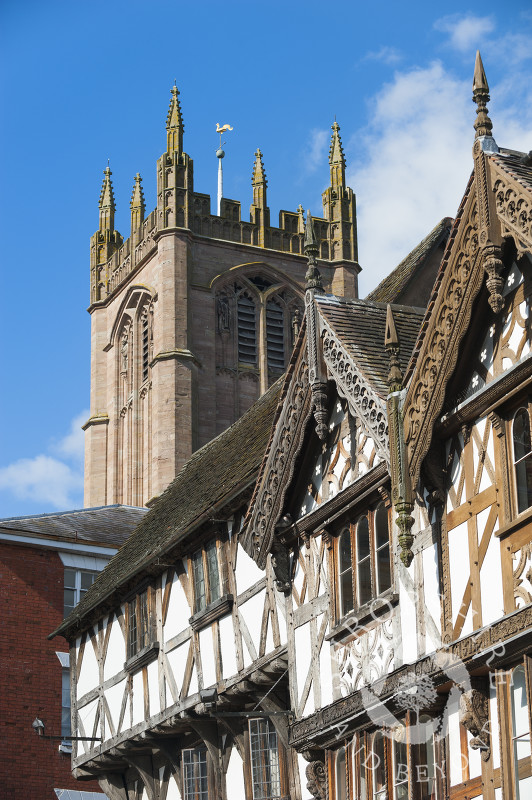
[{"x": 195, "y": 315}]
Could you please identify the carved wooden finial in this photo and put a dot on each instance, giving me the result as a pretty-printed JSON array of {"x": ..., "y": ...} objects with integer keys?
[
  {"x": 391, "y": 345},
  {"x": 483, "y": 125}
]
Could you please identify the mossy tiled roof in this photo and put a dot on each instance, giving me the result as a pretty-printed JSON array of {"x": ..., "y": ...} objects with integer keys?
[
  {"x": 360, "y": 326},
  {"x": 210, "y": 478}
]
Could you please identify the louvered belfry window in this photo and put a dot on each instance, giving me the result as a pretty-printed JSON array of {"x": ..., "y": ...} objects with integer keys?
[
  {"x": 145, "y": 346},
  {"x": 247, "y": 330},
  {"x": 275, "y": 336}
]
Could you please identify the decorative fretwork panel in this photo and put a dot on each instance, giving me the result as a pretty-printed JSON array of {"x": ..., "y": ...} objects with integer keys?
[{"x": 367, "y": 658}]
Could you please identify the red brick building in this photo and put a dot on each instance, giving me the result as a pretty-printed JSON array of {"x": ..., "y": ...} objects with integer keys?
[{"x": 46, "y": 564}]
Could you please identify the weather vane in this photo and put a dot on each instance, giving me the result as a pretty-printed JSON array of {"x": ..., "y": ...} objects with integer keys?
[{"x": 220, "y": 153}]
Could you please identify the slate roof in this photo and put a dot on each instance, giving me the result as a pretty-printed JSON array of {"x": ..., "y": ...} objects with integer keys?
[
  {"x": 512, "y": 162},
  {"x": 210, "y": 478},
  {"x": 391, "y": 287},
  {"x": 360, "y": 326},
  {"x": 110, "y": 526}
]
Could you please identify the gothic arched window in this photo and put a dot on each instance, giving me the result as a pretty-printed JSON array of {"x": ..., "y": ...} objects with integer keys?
[{"x": 522, "y": 459}]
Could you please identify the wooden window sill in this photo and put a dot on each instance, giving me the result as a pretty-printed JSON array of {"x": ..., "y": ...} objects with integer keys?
[
  {"x": 364, "y": 617},
  {"x": 142, "y": 658},
  {"x": 521, "y": 520},
  {"x": 212, "y": 612}
]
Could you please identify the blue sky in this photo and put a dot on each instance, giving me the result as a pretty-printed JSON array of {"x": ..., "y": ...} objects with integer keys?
[{"x": 87, "y": 81}]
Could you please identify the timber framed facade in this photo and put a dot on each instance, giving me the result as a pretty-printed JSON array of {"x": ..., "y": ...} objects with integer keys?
[{"x": 341, "y": 582}]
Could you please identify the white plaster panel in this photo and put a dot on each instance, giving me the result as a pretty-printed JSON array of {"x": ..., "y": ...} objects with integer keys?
[
  {"x": 89, "y": 674},
  {"x": 138, "y": 698},
  {"x": 208, "y": 663},
  {"x": 491, "y": 594},
  {"x": 153, "y": 688},
  {"x": 302, "y": 766},
  {"x": 227, "y": 642},
  {"x": 303, "y": 656},
  {"x": 280, "y": 602},
  {"x": 408, "y": 625},
  {"x": 252, "y": 611},
  {"x": 87, "y": 715},
  {"x": 234, "y": 779},
  {"x": 474, "y": 757},
  {"x": 494, "y": 722},
  {"x": 246, "y": 572},
  {"x": 431, "y": 586},
  {"x": 177, "y": 659},
  {"x": 173, "y": 792},
  {"x": 178, "y": 611},
  {"x": 459, "y": 565},
  {"x": 455, "y": 752},
  {"x": 299, "y": 576},
  {"x": 326, "y": 677},
  {"x": 116, "y": 652},
  {"x": 114, "y": 696}
]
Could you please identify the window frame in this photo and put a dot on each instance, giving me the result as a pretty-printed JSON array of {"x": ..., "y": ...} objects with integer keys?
[
  {"x": 198, "y": 752},
  {"x": 524, "y": 405},
  {"x": 78, "y": 590},
  {"x": 140, "y": 605},
  {"x": 281, "y": 767},
  {"x": 342, "y": 609},
  {"x": 205, "y": 562}
]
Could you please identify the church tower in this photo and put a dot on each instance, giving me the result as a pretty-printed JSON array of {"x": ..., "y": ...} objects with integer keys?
[{"x": 194, "y": 315}]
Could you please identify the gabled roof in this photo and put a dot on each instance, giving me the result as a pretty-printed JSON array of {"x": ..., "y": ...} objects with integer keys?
[
  {"x": 107, "y": 525},
  {"x": 360, "y": 327},
  {"x": 422, "y": 262},
  {"x": 211, "y": 478}
]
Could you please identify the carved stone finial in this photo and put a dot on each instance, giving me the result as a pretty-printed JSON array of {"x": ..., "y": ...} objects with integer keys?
[
  {"x": 107, "y": 202},
  {"x": 474, "y": 716},
  {"x": 313, "y": 277},
  {"x": 483, "y": 125},
  {"x": 174, "y": 124},
  {"x": 259, "y": 173},
  {"x": 137, "y": 203},
  {"x": 391, "y": 345},
  {"x": 317, "y": 780}
]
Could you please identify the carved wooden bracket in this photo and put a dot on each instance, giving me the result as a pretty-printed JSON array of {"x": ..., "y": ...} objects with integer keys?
[
  {"x": 474, "y": 716},
  {"x": 317, "y": 780},
  {"x": 493, "y": 266}
]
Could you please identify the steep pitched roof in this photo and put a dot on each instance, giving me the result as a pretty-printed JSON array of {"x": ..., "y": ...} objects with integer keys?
[
  {"x": 395, "y": 286},
  {"x": 360, "y": 326},
  {"x": 107, "y": 525},
  {"x": 516, "y": 164},
  {"x": 210, "y": 478}
]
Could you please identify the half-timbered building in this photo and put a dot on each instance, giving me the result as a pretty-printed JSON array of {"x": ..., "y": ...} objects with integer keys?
[{"x": 333, "y": 598}]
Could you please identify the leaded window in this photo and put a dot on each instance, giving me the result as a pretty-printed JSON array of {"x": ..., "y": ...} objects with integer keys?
[
  {"x": 138, "y": 623},
  {"x": 195, "y": 779},
  {"x": 521, "y": 748},
  {"x": 265, "y": 762},
  {"x": 206, "y": 576},
  {"x": 522, "y": 459},
  {"x": 363, "y": 560}
]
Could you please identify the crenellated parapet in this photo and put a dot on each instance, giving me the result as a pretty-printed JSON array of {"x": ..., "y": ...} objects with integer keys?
[{"x": 179, "y": 207}]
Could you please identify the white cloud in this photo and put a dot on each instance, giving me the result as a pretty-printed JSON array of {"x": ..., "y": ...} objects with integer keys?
[
  {"x": 413, "y": 162},
  {"x": 72, "y": 445},
  {"x": 315, "y": 149},
  {"x": 388, "y": 55},
  {"x": 49, "y": 480},
  {"x": 466, "y": 32},
  {"x": 43, "y": 479}
]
